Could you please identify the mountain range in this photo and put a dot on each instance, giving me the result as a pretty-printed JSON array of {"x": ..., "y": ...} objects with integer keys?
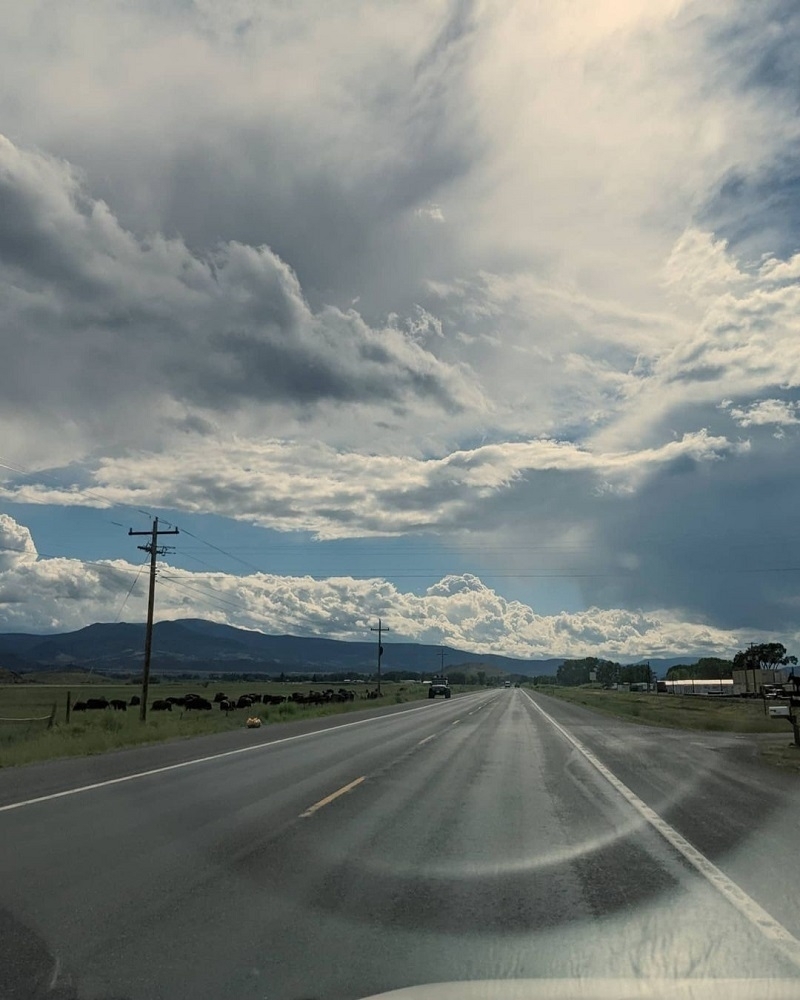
[
  {"x": 198, "y": 646},
  {"x": 193, "y": 645}
]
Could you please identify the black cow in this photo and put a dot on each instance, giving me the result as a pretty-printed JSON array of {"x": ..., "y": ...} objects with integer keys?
[
  {"x": 227, "y": 706},
  {"x": 198, "y": 704},
  {"x": 219, "y": 696},
  {"x": 245, "y": 701},
  {"x": 161, "y": 706},
  {"x": 79, "y": 706},
  {"x": 119, "y": 705},
  {"x": 135, "y": 700},
  {"x": 96, "y": 703}
]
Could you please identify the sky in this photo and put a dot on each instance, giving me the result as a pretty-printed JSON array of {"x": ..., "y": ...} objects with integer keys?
[{"x": 480, "y": 317}]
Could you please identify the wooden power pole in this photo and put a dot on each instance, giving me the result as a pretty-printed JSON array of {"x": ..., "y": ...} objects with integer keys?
[
  {"x": 380, "y": 630},
  {"x": 154, "y": 550}
]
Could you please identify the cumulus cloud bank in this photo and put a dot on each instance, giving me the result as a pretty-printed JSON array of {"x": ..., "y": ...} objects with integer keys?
[{"x": 459, "y": 610}]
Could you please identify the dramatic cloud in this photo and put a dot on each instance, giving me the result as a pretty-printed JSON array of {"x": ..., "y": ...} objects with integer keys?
[
  {"x": 161, "y": 327},
  {"x": 294, "y": 487},
  {"x": 519, "y": 279}
]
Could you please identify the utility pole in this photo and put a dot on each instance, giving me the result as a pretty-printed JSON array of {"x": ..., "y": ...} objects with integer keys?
[
  {"x": 442, "y": 651},
  {"x": 154, "y": 550},
  {"x": 380, "y": 630}
]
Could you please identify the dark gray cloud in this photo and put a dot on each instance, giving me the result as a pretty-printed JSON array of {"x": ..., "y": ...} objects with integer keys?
[
  {"x": 98, "y": 314},
  {"x": 697, "y": 543}
]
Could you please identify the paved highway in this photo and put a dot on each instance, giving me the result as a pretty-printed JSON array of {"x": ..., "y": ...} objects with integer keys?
[{"x": 491, "y": 836}]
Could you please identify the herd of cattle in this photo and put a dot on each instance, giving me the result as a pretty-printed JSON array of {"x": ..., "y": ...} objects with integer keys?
[{"x": 194, "y": 702}]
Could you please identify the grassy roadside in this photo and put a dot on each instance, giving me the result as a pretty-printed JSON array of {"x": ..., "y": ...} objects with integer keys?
[
  {"x": 100, "y": 731},
  {"x": 695, "y": 713}
]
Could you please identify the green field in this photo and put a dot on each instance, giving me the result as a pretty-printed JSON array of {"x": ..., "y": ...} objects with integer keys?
[
  {"x": 721, "y": 715},
  {"x": 97, "y": 731},
  {"x": 725, "y": 715}
]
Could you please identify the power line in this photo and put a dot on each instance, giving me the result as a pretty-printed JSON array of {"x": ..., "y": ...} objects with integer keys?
[
  {"x": 130, "y": 589},
  {"x": 224, "y": 552},
  {"x": 208, "y": 594}
]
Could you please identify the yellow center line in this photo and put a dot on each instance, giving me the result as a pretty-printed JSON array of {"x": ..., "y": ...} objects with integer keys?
[{"x": 329, "y": 798}]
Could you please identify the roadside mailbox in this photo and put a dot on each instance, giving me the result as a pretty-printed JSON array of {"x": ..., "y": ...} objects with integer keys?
[{"x": 776, "y": 711}]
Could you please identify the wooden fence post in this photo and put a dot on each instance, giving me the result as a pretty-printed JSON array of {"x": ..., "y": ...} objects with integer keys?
[
  {"x": 68, "y": 706},
  {"x": 52, "y": 718}
]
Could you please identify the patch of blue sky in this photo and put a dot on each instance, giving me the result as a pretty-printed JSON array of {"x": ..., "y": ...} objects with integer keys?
[{"x": 209, "y": 543}]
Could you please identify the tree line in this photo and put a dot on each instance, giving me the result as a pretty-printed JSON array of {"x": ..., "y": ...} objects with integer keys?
[
  {"x": 573, "y": 673},
  {"x": 758, "y": 656}
]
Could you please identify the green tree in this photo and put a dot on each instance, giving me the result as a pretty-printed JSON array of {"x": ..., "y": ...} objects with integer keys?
[
  {"x": 713, "y": 666},
  {"x": 607, "y": 672},
  {"x": 636, "y": 673},
  {"x": 572, "y": 673},
  {"x": 764, "y": 656}
]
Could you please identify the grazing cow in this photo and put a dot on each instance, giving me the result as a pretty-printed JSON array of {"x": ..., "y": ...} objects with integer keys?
[
  {"x": 92, "y": 703},
  {"x": 198, "y": 704},
  {"x": 79, "y": 706},
  {"x": 227, "y": 706},
  {"x": 161, "y": 706},
  {"x": 245, "y": 701},
  {"x": 219, "y": 696},
  {"x": 119, "y": 705},
  {"x": 135, "y": 700}
]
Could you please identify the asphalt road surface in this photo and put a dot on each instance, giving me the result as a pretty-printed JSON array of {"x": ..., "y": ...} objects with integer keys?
[{"x": 491, "y": 836}]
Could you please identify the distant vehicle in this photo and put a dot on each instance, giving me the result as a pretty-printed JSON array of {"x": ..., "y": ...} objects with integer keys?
[
  {"x": 507, "y": 684},
  {"x": 439, "y": 685}
]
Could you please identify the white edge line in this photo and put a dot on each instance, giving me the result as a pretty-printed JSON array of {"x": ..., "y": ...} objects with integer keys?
[
  {"x": 426, "y": 740},
  {"x": 203, "y": 760},
  {"x": 772, "y": 930}
]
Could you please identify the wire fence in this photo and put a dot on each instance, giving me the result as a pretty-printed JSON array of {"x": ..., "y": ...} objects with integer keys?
[{"x": 13, "y": 729}]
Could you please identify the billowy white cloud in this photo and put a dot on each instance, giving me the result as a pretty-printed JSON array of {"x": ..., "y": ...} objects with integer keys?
[
  {"x": 42, "y": 594},
  {"x": 766, "y": 412}
]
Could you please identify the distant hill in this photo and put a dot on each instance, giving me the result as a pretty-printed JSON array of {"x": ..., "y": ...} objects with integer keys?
[
  {"x": 197, "y": 646},
  {"x": 193, "y": 645}
]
